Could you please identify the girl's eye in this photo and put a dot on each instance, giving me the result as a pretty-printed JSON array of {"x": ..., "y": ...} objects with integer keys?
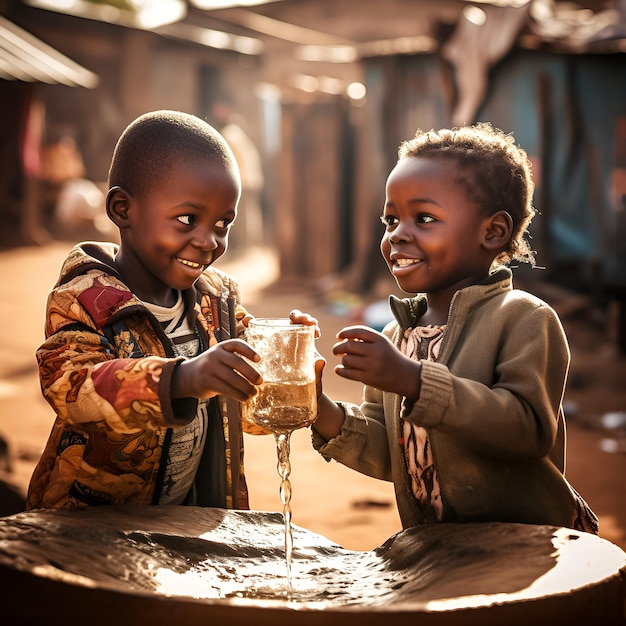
[
  {"x": 388, "y": 220},
  {"x": 187, "y": 220},
  {"x": 424, "y": 218},
  {"x": 421, "y": 218},
  {"x": 224, "y": 223}
]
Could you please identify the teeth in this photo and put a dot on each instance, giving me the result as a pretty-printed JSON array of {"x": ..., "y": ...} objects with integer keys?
[
  {"x": 405, "y": 262},
  {"x": 189, "y": 263}
]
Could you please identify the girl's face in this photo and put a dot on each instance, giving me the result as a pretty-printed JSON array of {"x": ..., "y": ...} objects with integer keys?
[
  {"x": 177, "y": 229},
  {"x": 433, "y": 232}
]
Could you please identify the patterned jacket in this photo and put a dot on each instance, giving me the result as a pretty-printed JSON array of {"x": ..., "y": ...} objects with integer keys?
[{"x": 106, "y": 369}]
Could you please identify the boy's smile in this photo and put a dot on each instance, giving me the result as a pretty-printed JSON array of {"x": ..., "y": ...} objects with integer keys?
[
  {"x": 190, "y": 263},
  {"x": 177, "y": 229},
  {"x": 194, "y": 269}
]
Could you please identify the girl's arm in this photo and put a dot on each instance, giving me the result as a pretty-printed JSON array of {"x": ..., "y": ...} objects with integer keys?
[
  {"x": 362, "y": 442},
  {"x": 330, "y": 418}
]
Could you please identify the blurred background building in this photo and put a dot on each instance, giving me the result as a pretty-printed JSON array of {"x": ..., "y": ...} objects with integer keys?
[{"x": 327, "y": 89}]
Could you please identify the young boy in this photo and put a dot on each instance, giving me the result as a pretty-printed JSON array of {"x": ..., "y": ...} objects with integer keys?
[{"x": 141, "y": 361}]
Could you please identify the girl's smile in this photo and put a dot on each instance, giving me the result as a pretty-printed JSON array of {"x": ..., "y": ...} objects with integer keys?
[
  {"x": 192, "y": 264},
  {"x": 402, "y": 266}
]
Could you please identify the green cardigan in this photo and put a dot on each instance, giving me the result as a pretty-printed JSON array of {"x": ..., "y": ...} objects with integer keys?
[{"x": 491, "y": 405}]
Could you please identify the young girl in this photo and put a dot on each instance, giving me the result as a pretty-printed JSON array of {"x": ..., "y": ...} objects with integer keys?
[{"x": 462, "y": 399}]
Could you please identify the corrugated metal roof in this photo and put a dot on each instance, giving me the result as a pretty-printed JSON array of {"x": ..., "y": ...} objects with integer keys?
[{"x": 24, "y": 57}]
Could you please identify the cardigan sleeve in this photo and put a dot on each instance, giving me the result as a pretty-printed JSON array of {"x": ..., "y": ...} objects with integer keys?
[{"x": 362, "y": 443}]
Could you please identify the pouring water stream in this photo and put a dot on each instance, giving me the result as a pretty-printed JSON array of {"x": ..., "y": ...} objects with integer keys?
[{"x": 287, "y": 399}]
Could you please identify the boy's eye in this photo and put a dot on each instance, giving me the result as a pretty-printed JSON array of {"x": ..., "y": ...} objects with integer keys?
[
  {"x": 187, "y": 220},
  {"x": 388, "y": 220},
  {"x": 223, "y": 223}
]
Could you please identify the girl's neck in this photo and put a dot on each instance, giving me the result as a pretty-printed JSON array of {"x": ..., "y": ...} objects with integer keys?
[
  {"x": 438, "y": 308},
  {"x": 439, "y": 301},
  {"x": 434, "y": 317}
]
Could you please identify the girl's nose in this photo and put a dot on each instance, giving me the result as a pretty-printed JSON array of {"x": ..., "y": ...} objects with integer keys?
[{"x": 401, "y": 233}]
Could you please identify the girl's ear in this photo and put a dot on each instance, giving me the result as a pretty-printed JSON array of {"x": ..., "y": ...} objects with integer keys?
[
  {"x": 117, "y": 204},
  {"x": 498, "y": 231}
]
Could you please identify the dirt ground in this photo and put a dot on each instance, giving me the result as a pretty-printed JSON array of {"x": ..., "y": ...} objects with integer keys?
[{"x": 355, "y": 511}]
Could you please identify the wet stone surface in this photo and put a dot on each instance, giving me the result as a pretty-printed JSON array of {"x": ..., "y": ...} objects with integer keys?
[{"x": 238, "y": 556}]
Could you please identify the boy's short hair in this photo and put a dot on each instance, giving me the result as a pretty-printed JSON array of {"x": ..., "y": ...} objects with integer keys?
[{"x": 152, "y": 143}]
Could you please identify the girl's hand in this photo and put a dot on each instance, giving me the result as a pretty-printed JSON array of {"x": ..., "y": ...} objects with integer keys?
[
  {"x": 369, "y": 357},
  {"x": 298, "y": 317},
  {"x": 220, "y": 370}
]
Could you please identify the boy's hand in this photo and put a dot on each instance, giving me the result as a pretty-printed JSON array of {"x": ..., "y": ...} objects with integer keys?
[
  {"x": 369, "y": 357},
  {"x": 220, "y": 370}
]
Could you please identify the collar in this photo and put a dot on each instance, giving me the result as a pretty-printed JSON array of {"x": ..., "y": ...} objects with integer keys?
[{"x": 407, "y": 311}]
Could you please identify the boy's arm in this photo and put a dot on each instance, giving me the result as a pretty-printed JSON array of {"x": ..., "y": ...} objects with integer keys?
[{"x": 86, "y": 382}]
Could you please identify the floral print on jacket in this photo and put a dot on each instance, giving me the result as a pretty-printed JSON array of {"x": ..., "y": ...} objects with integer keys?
[{"x": 105, "y": 368}]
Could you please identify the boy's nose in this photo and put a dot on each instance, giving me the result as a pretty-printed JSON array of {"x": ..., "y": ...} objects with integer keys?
[{"x": 205, "y": 241}]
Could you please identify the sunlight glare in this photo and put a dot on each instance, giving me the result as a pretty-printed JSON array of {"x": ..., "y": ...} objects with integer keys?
[
  {"x": 330, "y": 54},
  {"x": 152, "y": 14},
  {"x": 207, "y": 5},
  {"x": 305, "y": 83},
  {"x": 356, "y": 91},
  {"x": 474, "y": 15}
]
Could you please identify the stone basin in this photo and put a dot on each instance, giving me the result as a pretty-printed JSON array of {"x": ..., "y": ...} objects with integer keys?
[{"x": 165, "y": 565}]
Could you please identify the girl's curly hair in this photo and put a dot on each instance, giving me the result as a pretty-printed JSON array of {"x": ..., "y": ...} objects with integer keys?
[{"x": 495, "y": 172}]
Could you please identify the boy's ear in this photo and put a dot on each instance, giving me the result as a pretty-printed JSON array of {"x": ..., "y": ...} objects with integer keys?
[
  {"x": 117, "y": 204},
  {"x": 498, "y": 231}
]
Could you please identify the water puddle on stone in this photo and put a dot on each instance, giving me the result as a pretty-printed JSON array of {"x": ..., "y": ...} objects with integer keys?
[
  {"x": 324, "y": 573},
  {"x": 323, "y": 576}
]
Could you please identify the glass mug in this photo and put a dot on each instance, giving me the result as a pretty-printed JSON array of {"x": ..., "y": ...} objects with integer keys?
[{"x": 287, "y": 398}]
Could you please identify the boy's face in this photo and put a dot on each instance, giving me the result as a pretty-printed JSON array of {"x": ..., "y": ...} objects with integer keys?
[
  {"x": 177, "y": 229},
  {"x": 433, "y": 233}
]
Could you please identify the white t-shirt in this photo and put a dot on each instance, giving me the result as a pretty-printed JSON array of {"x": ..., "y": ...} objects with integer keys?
[{"x": 187, "y": 442}]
